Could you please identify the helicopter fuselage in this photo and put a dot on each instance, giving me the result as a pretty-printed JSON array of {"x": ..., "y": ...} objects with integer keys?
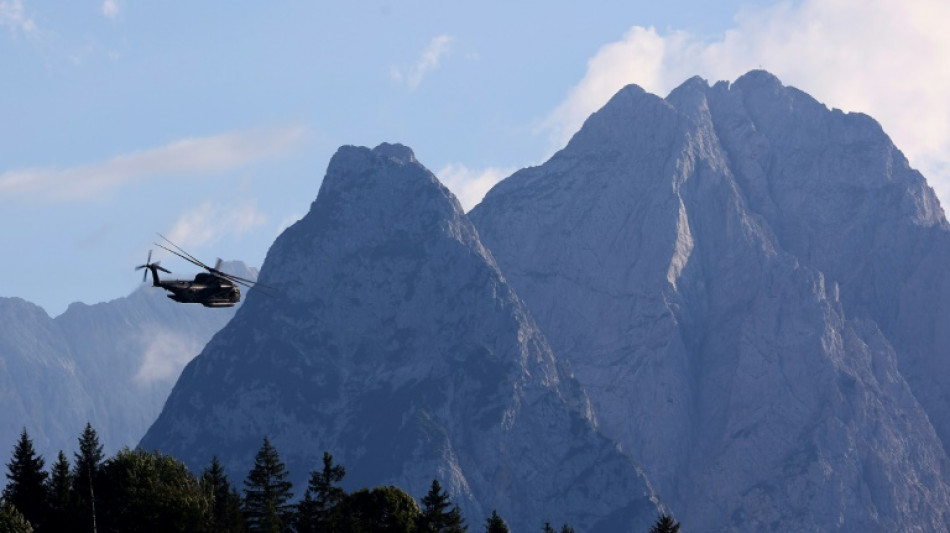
[{"x": 206, "y": 289}]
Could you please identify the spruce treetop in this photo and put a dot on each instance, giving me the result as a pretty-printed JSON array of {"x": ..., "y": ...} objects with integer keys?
[{"x": 26, "y": 486}]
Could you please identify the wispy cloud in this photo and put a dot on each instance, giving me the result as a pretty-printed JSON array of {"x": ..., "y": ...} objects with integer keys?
[
  {"x": 110, "y": 8},
  {"x": 166, "y": 354},
  {"x": 201, "y": 155},
  {"x": 14, "y": 17},
  {"x": 887, "y": 58},
  {"x": 429, "y": 60},
  {"x": 209, "y": 222},
  {"x": 640, "y": 57},
  {"x": 471, "y": 185}
]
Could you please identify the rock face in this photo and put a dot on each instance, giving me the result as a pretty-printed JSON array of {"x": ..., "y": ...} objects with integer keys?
[
  {"x": 111, "y": 364},
  {"x": 395, "y": 343},
  {"x": 748, "y": 286}
]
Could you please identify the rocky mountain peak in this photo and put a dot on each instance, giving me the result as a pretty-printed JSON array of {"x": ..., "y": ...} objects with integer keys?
[
  {"x": 386, "y": 175},
  {"x": 613, "y": 128},
  {"x": 374, "y": 206},
  {"x": 395, "y": 343},
  {"x": 721, "y": 269},
  {"x": 396, "y": 152},
  {"x": 759, "y": 81}
]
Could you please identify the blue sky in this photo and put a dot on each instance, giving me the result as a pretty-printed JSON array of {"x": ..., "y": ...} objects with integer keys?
[{"x": 213, "y": 122}]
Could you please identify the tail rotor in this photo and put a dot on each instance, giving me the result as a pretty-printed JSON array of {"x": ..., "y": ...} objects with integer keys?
[{"x": 154, "y": 267}]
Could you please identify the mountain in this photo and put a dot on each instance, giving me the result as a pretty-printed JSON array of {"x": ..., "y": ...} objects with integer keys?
[
  {"x": 393, "y": 342},
  {"x": 111, "y": 364},
  {"x": 41, "y": 388},
  {"x": 748, "y": 285}
]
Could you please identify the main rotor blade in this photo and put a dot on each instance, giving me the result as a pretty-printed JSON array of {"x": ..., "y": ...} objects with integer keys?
[
  {"x": 262, "y": 289},
  {"x": 189, "y": 256},
  {"x": 239, "y": 282},
  {"x": 245, "y": 281},
  {"x": 239, "y": 278},
  {"x": 189, "y": 259}
]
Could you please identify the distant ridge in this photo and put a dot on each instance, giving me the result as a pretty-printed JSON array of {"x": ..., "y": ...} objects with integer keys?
[{"x": 111, "y": 364}]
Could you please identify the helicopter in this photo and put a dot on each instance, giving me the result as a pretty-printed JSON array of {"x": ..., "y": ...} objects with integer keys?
[{"x": 212, "y": 289}]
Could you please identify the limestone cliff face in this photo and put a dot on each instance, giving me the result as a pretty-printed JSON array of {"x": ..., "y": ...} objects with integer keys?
[
  {"x": 394, "y": 342},
  {"x": 735, "y": 274}
]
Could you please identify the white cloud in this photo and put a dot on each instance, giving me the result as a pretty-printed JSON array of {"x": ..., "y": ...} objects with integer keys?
[
  {"x": 166, "y": 354},
  {"x": 637, "y": 58},
  {"x": 209, "y": 222},
  {"x": 887, "y": 58},
  {"x": 110, "y": 9},
  {"x": 470, "y": 185},
  {"x": 429, "y": 60},
  {"x": 14, "y": 17},
  {"x": 201, "y": 155}
]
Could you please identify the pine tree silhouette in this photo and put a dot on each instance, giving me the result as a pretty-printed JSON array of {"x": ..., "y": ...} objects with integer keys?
[
  {"x": 437, "y": 516},
  {"x": 665, "y": 524},
  {"x": 226, "y": 514},
  {"x": 494, "y": 524},
  {"x": 322, "y": 497},
  {"x": 26, "y": 488},
  {"x": 267, "y": 493},
  {"x": 61, "y": 497}
]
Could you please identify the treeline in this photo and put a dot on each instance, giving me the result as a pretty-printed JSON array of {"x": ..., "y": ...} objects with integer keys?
[{"x": 142, "y": 491}]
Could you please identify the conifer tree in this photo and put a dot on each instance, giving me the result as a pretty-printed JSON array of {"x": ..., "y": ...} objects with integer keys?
[
  {"x": 12, "y": 521},
  {"x": 85, "y": 477},
  {"x": 548, "y": 528},
  {"x": 226, "y": 512},
  {"x": 567, "y": 529},
  {"x": 665, "y": 524},
  {"x": 322, "y": 497},
  {"x": 26, "y": 488},
  {"x": 60, "y": 491},
  {"x": 267, "y": 493},
  {"x": 437, "y": 516},
  {"x": 494, "y": 524}
]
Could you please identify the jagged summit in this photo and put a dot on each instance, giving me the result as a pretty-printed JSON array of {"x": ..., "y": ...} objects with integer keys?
[
  {"x": 609, "y": 129},
  {"x": 397, "y": 345},
  {"x": 368, "y": 203},
  {"x": 761, "y": 79},
  {"x": 692, "y": 85},
  {"x": 396, "y": 152},
  {"x": 723, "y": 270},
  {"x": 356, "y": 160}
]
